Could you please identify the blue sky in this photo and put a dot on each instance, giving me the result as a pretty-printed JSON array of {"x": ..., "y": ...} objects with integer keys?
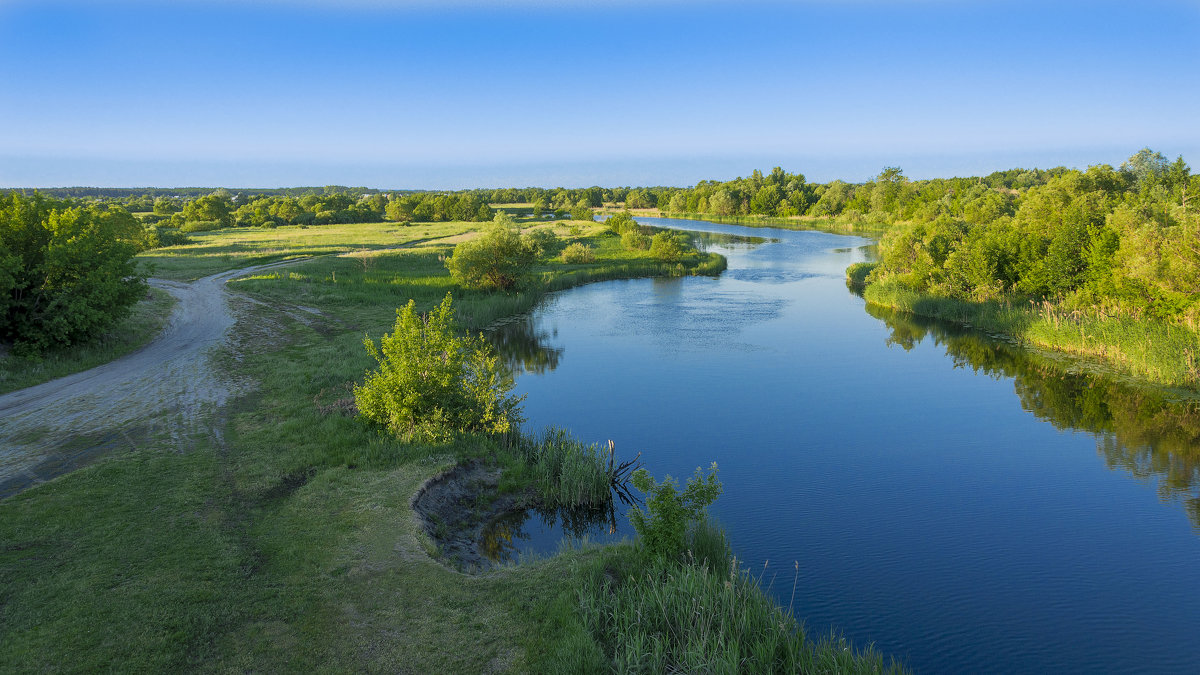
[{"x": 465, "y": 94}]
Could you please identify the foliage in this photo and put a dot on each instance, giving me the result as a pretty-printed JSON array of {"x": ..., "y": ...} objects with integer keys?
[
  {"x": 1109, "y": 241},
  {"x": 199, "y": 226},
  {"x": 66, "y": 272},
  {"x": 543, "y": 242},
  {"x": 664, "y": 522},
  {"x": 499, "y": 259},
  {"x": 635, "y": 240},
  {"x": 581, "y": 212},
  {"x": 431, "y": 384},
  {"x": 620, "y": 223},
  {"x": 670, "y": 246},
  {"x": 578, "y": 253}
]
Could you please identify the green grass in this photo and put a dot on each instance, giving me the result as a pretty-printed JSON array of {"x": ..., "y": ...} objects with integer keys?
[
  {"x": 235, "y": 248},
  {"x": 1147, "y": 350},
  {"x": 143, "y": 324},
  {"x": 285, "y": 541}
]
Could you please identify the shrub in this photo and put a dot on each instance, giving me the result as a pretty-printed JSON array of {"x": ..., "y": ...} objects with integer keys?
[
  {"x": 670, "y": 247},
  {"x": 499, "y": 259},
  {"x": 66, "y": 271},
  {"x": 581, "y": 212},
  {"x": 635, "y": 240},
  {"x": 431, "y": 384},
  {"x": 543, "y": 242},
  {"x": 664, "y": 523},
  {"x": 200, "y": 226},
  {"x": 578, "y": 253},
  {"x": 621, "y": 223}
]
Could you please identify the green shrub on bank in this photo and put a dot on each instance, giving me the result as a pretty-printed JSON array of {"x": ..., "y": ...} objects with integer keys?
[
  {"x": 635, "y": 240},
  {"x": 670, "y": 246},
  {"x": 431, "y": 384},
  {"x": 66, "y": 271},
  {"x": 578, "y": 253},
  {"x": 663, "y": 524}
]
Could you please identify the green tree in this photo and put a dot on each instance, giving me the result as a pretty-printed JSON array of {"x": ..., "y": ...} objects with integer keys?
[
  {"x": 214, "y": 208},
  {"x": 431, "y": 384},
  {"x": 498, "y": 259},
  {"x": 66, "y": 270}
]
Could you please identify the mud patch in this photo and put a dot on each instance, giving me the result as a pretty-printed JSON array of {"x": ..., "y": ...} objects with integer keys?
[{"x": 457, "y": 505}]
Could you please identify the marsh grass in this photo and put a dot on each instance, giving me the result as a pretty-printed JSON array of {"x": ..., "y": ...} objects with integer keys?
[
  {"x": 564, "y": 470},
  {"x": 1154, "y": 351},
  {"x": 654, "y": 616},
  {"x": 144, "y": 323}
]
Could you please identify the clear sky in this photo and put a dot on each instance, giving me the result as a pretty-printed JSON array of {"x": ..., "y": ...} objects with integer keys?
[{"x": 471, "y": 94}]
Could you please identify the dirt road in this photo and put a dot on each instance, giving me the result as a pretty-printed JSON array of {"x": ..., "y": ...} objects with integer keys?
[{"x": 161, "y": 393}]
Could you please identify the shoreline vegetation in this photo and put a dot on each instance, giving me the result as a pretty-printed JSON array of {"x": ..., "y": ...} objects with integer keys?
[
  {"x": 1150, "y": 352},
  {"x": 288, "y": 540}
]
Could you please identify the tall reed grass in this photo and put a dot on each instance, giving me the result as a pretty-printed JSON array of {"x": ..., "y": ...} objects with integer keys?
[{"x": 692, "y": 618}]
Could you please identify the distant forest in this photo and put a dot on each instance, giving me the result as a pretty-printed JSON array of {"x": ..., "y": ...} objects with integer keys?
[{"x": 1126, "y": 237}]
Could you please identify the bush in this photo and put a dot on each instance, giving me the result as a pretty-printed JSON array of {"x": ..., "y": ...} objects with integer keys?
[
  {"x": 578, "y": 253},
  {"x": 663, "y": 525},
  {"x": 621, "y": 223},
  {"x": 66, "y": 271},
  {"x": 581, "y": 212},
  {"x": 635, "y": 241},
  {"x": 499, "y": 259},
  {"x": 431, "y": 384},
  {"x": 543, "y": 242},
  {"x": 200, "y": 226},
  {"x": 670, "y": 247}
]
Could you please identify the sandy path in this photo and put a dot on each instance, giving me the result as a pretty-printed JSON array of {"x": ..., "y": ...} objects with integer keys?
[{"x": 166, "y": 388}]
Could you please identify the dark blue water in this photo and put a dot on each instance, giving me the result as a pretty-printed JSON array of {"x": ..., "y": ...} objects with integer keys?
[{"x": 962, "y": 505}]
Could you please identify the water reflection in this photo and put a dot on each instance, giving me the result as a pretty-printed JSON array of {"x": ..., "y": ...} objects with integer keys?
[
  {"x": 507, "y": 536},
  {"x": 524, "y": 347},
  {"x": 1141, "y": 431}
]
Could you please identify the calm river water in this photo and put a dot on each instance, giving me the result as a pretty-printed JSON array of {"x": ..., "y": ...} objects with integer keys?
[{"x": 963, "y": 505}]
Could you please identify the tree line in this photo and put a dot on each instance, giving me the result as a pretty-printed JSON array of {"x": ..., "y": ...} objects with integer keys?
[{"x": 1114, "y": 240}]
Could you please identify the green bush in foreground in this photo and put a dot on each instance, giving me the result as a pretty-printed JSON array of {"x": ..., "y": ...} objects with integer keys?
[
  {"x": 432, "y": 384},
  {"x": 664, "y": 523}
]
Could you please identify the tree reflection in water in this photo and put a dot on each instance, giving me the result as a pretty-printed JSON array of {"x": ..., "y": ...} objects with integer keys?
[
  {"x": 1140, "y": 430},
  {"x": 502, "y": 537},
  {"x": 523, "y": 347}
]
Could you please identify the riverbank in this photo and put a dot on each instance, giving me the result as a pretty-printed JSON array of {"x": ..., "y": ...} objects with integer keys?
[
  {"x": 281, "y": 535},
  {"x": 1157, "y": 353},
  {"x": 835, "y": 225}
]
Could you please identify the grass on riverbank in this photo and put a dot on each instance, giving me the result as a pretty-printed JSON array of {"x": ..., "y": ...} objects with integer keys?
[
  {"x": 144, "y": 323},
  {"x": 285, "y": 540},
  {"x": 1156, "y": 352}
]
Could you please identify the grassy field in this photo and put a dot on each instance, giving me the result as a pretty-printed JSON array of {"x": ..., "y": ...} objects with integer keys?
[
  {"x": 144, "y": 322},
  {"x": 285, "y": 540}
]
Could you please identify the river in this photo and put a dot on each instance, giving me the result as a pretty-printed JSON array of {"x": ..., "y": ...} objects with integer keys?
[{"x": 961, "y": 504}]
